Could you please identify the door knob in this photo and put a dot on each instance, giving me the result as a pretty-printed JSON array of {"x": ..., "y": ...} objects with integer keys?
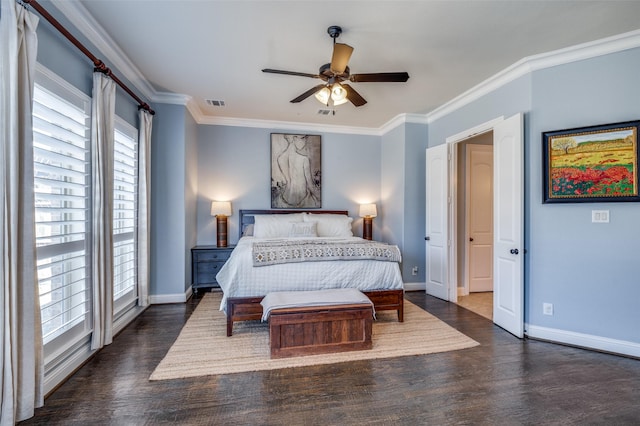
[
  {"x": 514, "y": 251},
  {"x": 470, "y": 238},
  {"x": 427, "y": 238}
]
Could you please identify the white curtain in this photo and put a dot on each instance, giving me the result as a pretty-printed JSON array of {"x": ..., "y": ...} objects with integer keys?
[
  {"x": 102, "y": 142},
  {"x": 20, "y": 329},
  {"x": 144, "y": 203}
]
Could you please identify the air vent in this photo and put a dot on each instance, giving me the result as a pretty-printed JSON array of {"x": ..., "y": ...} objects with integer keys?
[
  {"x": 324, "y": 111},
  {"x": 214, "y": 102}
]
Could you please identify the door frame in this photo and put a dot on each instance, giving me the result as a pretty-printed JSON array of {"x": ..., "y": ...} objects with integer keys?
[{"x": 452, "y": 142}]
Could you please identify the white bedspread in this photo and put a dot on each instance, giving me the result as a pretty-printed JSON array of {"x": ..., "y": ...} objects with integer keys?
[{"x": 239, "y": 278}]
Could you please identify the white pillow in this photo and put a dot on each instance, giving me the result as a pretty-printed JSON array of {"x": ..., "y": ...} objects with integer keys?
[
  {"x": 274, "y": 225},
  {"x": 303, "y": 229},
  {"x": 331, "y": 225},
  {"x": 248, "y": 230}
]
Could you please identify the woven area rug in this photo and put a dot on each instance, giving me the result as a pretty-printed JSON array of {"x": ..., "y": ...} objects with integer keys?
[{"x": 203, "y": 348}]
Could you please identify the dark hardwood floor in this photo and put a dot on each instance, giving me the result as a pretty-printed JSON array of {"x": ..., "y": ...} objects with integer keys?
[{"x": 504, "y": 381}]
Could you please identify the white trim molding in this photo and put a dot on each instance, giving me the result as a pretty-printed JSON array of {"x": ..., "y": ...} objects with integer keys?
[
  {"x": 402, "y": 119},
  {"x": 160, "y": 299},
  {"x": 415, "y": 287},
  {"x": 582, "y": 340},
  {"x": 286, "y": 125},
  {"x": 529, "y": 64},
  {"x": 475, "y": 131},
  {"x": 95, "y": 33}
]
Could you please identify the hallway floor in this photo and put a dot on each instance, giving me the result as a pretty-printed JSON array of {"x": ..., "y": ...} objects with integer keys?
[{"x": 479, "y": 303}]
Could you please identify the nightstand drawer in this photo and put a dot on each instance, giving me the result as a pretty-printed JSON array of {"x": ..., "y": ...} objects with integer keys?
[
  {"x": 208, "y": 256},
  {"x": 206, "y": 262},
  {"x": 209, "y": 267}
]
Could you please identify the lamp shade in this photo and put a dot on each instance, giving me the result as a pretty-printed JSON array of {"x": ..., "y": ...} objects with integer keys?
[
  {"x": 338, "y": 94},
  {"x": 332, "y": 95},
  {"x": 368, "y": 210},
  {"x": 323, "y": 94},
  {"x": 220, "y": 208}
]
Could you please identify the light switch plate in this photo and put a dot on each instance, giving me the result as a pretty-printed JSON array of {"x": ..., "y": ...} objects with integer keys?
[{"x": 600, "y": 216}]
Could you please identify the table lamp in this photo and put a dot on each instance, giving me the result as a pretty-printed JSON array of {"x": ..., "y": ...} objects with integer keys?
[
  {"x": 221, "y": 209},
  {"x": 368, "y": 212}
]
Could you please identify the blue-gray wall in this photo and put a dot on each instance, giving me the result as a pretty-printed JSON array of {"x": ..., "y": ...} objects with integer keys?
[
  {"x": 234, "y": 165},
  {"x": 58, "y": 54},
  {"x": 413, "y": 253},
  {"x": 168, "y": 212},
  {"x": 191, "y": 193},
  {"x": 402, "y": 185},
  {"x": 587, "y": 270},
  {"x": 392, "y": 186}
]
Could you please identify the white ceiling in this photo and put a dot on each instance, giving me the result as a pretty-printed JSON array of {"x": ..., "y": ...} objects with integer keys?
[{"x": 206, "y": 49}]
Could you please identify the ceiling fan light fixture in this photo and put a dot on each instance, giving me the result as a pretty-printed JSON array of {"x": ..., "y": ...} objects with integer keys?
[
  {"x": 323, "y": 95},
  {"x": 332, "y": 92},
  {"x": 338, "y": 94}
]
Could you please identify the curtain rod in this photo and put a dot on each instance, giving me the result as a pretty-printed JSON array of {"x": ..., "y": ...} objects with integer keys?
[{"x": 98, "y": 64}]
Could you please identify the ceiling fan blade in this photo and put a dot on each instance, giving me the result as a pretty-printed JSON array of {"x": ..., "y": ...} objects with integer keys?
[
  {"x": 340, "y": 59},
  {"x": 308, "y": 93},
  {"x": 354, "y": 96},
  {"x": 301, "y": 74},
  {"x": 394, "y": 77}
]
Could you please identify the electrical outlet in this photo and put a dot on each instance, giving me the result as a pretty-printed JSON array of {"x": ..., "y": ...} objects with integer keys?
[
  {"x": 547, "y": 308},
  {"x": 414, "y": 271}
]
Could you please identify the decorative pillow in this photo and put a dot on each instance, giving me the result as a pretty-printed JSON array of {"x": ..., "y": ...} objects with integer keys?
[
  {"x": 331, "y": 225},
  {"x": 275, "y": 225},
  {"x": 303, "y": 229},
  {"x": 248, "y": 230}
]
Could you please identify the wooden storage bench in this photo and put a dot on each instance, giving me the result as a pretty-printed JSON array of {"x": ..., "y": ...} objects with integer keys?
[
  {"x": 317, "y": 322},
  {"x": 320, "y": 329}
]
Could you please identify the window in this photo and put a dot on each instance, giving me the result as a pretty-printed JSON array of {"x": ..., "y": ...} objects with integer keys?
[
  {"x": 125, "y": 200},
  {"x": 61, "y": 124},
  {"x": 63, "y": 210}
]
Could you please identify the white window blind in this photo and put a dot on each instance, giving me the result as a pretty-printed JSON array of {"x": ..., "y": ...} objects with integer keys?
[
  {"x": 124, "y": 215},
  {"x": 61, "y": 169}
]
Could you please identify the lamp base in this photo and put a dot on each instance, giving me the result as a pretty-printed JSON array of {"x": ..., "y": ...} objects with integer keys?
[
  {"x": 367, "y": 228},
  {"x": 221, "y": 222}
]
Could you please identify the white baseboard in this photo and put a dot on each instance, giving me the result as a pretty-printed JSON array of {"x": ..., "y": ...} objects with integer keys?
[
  {"x": 589, "y": 341},
  {"x": 415, "y": 286},
  {"x": 70, "y": 363},
  {"x": 159, "y": 299}
]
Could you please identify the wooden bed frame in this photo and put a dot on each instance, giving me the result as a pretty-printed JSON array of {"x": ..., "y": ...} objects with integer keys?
[{"x": 249, "y": 308}]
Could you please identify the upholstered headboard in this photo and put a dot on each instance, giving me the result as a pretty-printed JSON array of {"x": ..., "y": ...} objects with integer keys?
[{"x": 247, "y": 216}]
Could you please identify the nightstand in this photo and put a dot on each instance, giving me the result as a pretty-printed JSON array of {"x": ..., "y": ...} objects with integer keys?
[{"x": 206, "y": 261}]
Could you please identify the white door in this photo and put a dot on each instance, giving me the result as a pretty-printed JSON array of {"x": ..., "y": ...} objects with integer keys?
[
  {"x": 508, "y": 261},
  {"x": 437, "y": 232},
  {"x": 479, "y": 217}
]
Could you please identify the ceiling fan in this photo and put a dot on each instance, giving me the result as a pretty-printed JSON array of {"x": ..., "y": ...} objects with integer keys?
[{"x": 334, "y": 91}]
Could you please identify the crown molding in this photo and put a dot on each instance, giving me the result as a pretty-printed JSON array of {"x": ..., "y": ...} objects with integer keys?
[
  {"x": 80, "y": 17},
  {"x": 579, "y": 52},
  {"x": 200, "y": 118},
  {"x": 288, "y": 125},
  {"x": 402, "y": 119}
]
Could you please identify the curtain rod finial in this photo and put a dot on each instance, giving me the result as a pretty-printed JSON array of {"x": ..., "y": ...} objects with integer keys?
[{"x": 146, "y": 107}]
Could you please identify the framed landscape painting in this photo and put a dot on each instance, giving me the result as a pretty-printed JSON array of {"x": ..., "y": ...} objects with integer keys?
[{"x": 591, "y": 164}]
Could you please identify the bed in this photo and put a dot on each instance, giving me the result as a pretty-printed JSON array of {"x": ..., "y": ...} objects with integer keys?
[{"x": 245, "y": 282}]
